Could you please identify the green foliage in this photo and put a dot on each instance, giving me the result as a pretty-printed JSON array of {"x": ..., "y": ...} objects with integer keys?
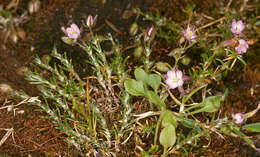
[
  {"x": 168, "y": 136},
  {"x": 154, "y": 81},
  {"x": 168, "y": 119},
  {"x": 141, "y": 75},
  {"x": 210, "y": 104},
  {"x": 254, "y": 127},
  {"x": 82, "y": 109},
  {"x": 154, "y": 98},
  {"x": 134, "y": 87}
]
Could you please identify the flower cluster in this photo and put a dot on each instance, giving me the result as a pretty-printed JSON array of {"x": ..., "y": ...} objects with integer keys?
[{"x": 236, "y": 28}]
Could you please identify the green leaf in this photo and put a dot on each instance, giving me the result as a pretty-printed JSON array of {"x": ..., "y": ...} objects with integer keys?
[
  {"x": 141, "y": 75},
  {"x": 186, "y": 98},
  {"x": 210, "y": 104},
  {"x": 241, "y": 59},
  {"x": 134, "y": 87},
  {"x": 168, "y": 136},
  {"x": 154, "y": 98},
  {"x": 168, "y": 119},
  {"x": 189, "y": 123},
  {"x": 241, "y": 134},
  {"x": 154, "y": 81},
  {"x": 255, "y": 127}
]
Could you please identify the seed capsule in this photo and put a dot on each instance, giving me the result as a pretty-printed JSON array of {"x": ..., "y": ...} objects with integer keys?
[{"x": 133, "y": 29}]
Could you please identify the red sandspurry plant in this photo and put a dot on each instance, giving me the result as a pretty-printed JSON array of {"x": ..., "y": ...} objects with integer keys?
[{"x": 90, "y": 105}]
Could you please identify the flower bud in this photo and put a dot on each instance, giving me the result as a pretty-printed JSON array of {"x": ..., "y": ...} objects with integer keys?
[
  {"x": 133, "y": 29},
  {"x": 162, "y": 66},
  {"x": 138, "y": 52},
  {"x": 10, "y": 108},
  {"x": 150, "y": 31},
  {"x": 21, "y": 33},
  {"x": 5, "y": 88},
  {"x": 176, "y": 53},
  {"x": 185, "y": 60},
  {"x": 46, "y": 59},
  {"x": 34, "y": 6},
  {"x": 89, "y": 21},
  {"x": 149, "y": 34},
  {"x": 21, "y": 112},
  {"x": 22, "y": 71},
  {"x": 14, "y": 37},
  {"x": 67, "y": 40}
]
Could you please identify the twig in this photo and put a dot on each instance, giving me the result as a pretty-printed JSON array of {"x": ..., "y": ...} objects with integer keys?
[
  {"x": 113, "y": 27},
  {"x": 243, "y": 6},
  {"x": 131, "y": 133},
  {"x": 7, "y": 134},
  {"x": 174, "y": 98},
  {"x": 211, "y": 23},
  {"x": 228, "y": 5},
  {"x": 250, "y": 114},
  {"x": 32, "y": 99},
  {"x": 146, "y": 114}
]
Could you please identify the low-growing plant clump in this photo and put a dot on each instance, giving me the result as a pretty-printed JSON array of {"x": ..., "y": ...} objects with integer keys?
[{"x": 154, "y": 107}]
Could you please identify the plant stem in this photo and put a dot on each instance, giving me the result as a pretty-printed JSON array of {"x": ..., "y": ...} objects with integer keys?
[
  {"x": 157, "y": 129},
  {"x": 164, "y": 151}
]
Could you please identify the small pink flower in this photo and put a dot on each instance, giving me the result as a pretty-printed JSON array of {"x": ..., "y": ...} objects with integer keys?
[
  {"x": 175, "y": 79},
  {"x": 242, "y": 47},
  {"x": 237, "y": 27},
  {"x": 73, "y": 31},
  {"x": 239, "y": 118},
  {"x": 189, "y": 33}
]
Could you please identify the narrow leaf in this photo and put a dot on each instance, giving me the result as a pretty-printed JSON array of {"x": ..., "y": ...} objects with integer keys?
[{"x": 255, "y": 127}]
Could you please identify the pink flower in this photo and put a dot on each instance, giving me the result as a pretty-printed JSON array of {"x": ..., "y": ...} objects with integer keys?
[
  {"x": 189, "y": 33},
  {"x": 237, "y": 27},
  {"x": 174, "y": 79},
  {"x": 242, "y": 47},
  {"x": 239, "y": 118},
  {"x": 73, "y": 31}
]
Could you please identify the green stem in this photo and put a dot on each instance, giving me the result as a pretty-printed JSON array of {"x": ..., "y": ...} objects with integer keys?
[
  {"x": 157, "y": 129},
  {"x": 189, "y": 139},
  {"x": 164, "y": 151}
]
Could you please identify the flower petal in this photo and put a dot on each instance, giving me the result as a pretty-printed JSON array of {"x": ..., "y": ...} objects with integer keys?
[
  {"x": 179, "y": 74},
  {"x": 171, "y": 84}
]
